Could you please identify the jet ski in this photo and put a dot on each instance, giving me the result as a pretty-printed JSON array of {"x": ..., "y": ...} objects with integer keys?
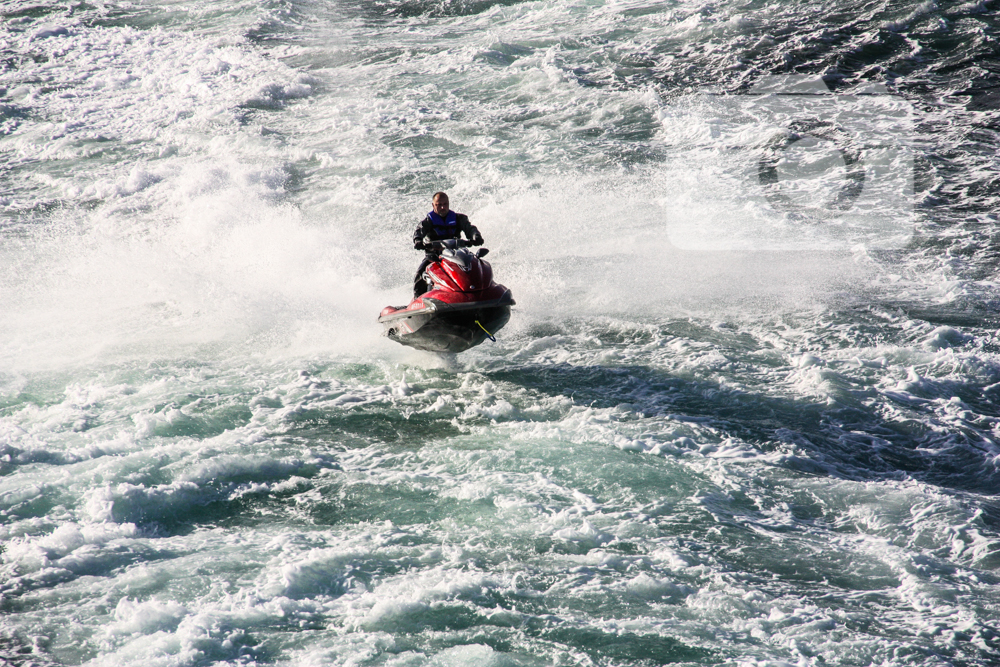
[{"x": 462, "y": 307}]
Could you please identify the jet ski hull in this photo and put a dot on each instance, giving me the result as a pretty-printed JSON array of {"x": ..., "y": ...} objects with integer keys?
[{"x": 438, "y": 322}]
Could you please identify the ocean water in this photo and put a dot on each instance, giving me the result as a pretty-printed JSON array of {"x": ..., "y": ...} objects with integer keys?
[{"x": 746, "y": 411}]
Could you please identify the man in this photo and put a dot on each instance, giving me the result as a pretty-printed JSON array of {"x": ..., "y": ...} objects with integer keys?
[{"x": 440, "y": 224}]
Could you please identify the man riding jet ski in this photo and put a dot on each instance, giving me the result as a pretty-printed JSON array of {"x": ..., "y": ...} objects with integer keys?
[
  {"x": 456, "y": 304},
  {"x": 440, "y": 224}
]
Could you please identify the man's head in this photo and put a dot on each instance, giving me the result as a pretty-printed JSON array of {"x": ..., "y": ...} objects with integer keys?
[{"x": 440, "y": 203}]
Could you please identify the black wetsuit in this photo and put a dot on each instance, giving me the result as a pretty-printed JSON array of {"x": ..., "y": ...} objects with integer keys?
[{"x": 439, "y": 230}]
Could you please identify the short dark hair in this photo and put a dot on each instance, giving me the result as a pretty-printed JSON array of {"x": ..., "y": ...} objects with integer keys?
[{"x": 439, "y": 194}]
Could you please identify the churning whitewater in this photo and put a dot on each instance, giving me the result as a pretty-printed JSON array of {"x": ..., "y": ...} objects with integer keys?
[{"x": 745, "y": 412}]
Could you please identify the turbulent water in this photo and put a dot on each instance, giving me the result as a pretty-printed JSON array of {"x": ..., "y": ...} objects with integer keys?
[{"x": 746, "y": 411}]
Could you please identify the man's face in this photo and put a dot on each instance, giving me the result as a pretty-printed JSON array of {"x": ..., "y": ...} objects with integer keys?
[{"x": 441, "y": 206}]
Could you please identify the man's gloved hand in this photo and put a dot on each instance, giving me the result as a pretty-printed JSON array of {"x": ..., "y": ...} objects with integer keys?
[
  {"x": 477, "y": 239},
  {"x": 418, "y": 245}
]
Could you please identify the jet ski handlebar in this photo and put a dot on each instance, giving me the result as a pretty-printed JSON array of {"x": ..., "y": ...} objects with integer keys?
[
  {"x": 444, "y": 243},
  {"x": 454, "y": 243}
]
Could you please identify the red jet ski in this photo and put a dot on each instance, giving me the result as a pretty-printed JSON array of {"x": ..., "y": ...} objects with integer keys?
[{"x": 462, "y": 308}]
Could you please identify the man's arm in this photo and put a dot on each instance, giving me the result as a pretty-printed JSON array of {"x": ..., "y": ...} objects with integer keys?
[
  {"x": 418, "y": 235},
  {"x": 470, "y": 230}
]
